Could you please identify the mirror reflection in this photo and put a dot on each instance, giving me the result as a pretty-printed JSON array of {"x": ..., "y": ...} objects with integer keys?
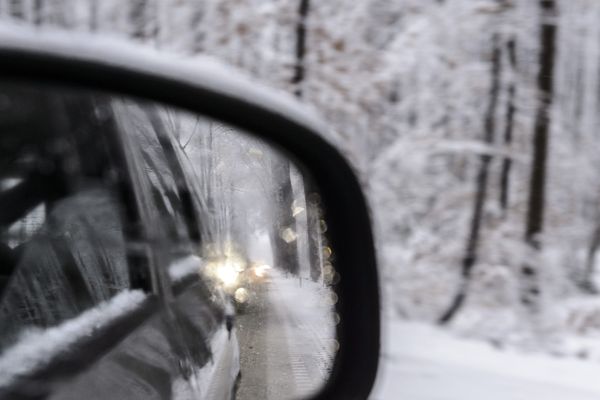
[{"x": 147, "y": 252}]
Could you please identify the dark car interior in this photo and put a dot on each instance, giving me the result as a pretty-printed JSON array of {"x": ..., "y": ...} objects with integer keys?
[{"x": 74, "y": 221}]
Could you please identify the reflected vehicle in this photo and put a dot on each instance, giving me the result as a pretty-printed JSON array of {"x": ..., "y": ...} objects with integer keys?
[{"x": 237, "y": 276}]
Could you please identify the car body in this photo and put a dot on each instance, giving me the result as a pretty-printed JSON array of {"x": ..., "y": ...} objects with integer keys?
[{"x": 101, "y": 291}]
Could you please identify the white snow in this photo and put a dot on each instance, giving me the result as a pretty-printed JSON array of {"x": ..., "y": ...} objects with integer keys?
[
  {"x": 306, "y": 314},
  {"x": 184, "y": 267},
  {"x": 306, "y": 301},
  {"x": 220, "y": 372},
  {"x": 259, "y": 248},
  {"x": 408, "y": 89},
  {"x": 199, "y": 71},
  {"x": 36, "y": 347},
  {"x": 424, "y": 362}
]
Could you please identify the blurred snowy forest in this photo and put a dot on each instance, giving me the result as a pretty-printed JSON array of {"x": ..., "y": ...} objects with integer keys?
[{"x": 472, "y": 123}]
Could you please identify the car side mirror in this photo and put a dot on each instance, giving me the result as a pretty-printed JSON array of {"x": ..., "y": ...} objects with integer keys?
[{"x": 249, "y": 142}]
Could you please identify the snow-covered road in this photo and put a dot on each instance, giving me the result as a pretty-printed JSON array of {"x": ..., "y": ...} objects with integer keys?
[
  {"x": 421, "y": 362},
  {"x": 286, "y": 340}
]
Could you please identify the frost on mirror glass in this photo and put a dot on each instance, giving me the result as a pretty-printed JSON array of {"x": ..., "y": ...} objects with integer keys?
[{"x": 146, "y": 251}]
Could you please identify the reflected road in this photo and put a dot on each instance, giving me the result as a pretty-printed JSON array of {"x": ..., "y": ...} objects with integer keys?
[{"x": 285, "y": 348}]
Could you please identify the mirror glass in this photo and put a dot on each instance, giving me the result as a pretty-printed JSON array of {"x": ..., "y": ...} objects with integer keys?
[{"x": 148, "y": 252}]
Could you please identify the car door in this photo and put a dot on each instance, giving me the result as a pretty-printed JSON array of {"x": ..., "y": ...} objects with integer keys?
[
  {"x": 197, "y": 309},
  {"x": 89, "y": 230},
  {"x": 67, "y": 235}
]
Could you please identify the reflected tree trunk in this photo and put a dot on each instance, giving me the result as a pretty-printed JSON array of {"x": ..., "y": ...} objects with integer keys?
[
  {"x": 211, "y": 226},
  {"x": 284, "y": 234},
  {"x": 313, "y": 217}
]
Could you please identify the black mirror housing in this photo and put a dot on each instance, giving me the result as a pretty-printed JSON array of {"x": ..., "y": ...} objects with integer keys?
[{"x": 202, "y": 88}]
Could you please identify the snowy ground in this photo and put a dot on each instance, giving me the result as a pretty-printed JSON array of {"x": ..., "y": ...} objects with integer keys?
[
  {"x": 286, "y": 339},
  {"x": 422, "y": 362}
]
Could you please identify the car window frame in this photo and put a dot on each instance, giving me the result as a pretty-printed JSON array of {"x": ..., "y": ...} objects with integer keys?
[{"x": 139, "y": 257}]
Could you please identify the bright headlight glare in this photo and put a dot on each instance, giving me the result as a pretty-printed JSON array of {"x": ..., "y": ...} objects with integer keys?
[
  {"x": 227, "y": 274},
  {"x": 261, "y": 270},
  {"x": 238, "y": 265}
]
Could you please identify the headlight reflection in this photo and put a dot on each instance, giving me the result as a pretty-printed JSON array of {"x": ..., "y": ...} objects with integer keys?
[
  {"x": 227, "y": 274},
  {"x": 261, "y": 270}
]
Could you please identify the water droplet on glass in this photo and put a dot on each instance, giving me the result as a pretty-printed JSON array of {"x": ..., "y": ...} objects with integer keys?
[
  {"x": 335, "y": 345},
  {"x": 288, "y": 235},
  {"x": 297, "y": 210},
  {"x": 327, "y": 252},
  {"x": 322, "y": 226},
  {"x": 333, "y": 298},
  {"x": 336, "y": 318}
]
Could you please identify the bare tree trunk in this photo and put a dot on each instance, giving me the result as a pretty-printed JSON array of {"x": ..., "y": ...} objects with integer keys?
[
  {"x": 508, "y": 130},
  {"x": 587, "y": 280},
  {"x": 16, "y": 9},
  {"x": 93, "y": 15},
  {"x": 535, "y": 214},
  {"x": 199, "y": 34},
  {"x": 470, "y": 256},
  {"x": 58, "y": 14},
  {"x": 299, "y": 68},
  {"x": 138, "y": 19}
]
